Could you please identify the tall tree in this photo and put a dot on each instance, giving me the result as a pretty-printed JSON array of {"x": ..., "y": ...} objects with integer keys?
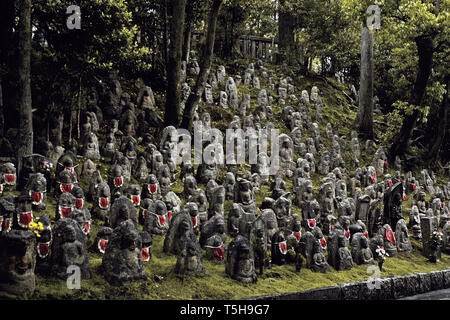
[
  {"x": 365, "y": 111},
  {"x": 425, "y": 48},
  {"x": 205, "y": 65},
  {"x": 286, "y": 28},
  {"x": 25, "y": 112},
  {"x": 172, "y": 111},
  {"x": 436, "y": 144}
]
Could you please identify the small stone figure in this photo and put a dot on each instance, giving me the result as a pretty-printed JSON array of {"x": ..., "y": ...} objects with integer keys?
[
  {"x": 229, "y": 186},
  {"x": 215, "y": 249},
  {"x": 279, "y": 248},
  {"x": 393, "y": 205},
  {"x": 91, "y": 149},
  {"x": 189, "y": 260},
  {"x": 151, "y": 189},
  {"x": 44, "y": 240},
  {"x": 134, "y": 194},
  {"x": 37, "y": 189},
  {"x": 180, "y": 224},
  {"x": 214, "y": 226},
  {"x": 83, "y": 217},
  {"x": 122, "y": 261},
  {"x": 121, "y": 210},
  {"x": 361, "y": 252},
  {"x": 313, "y": 245},
  {"x": 8, "y": 171},
  {"x": 216, "y": 205},
  {"x": 258, "y": 241},
  {"x": 102, "y": 239},
  {"x": 414, "y": 222},
  {"x": 102, "y": 202},
  {"x": 245, "y": 196},
  {"x": 78, "y": 193},
  {"x": 435, "y": 246},
  {"x": 339, "y": 255},
  {"x": 390, "y": 243},
  {"x": 157, "y": 220},
  {"x": 402, "y": 237},
  {"x": 65, "y": 205},
  {"x": 146, "y": 245},
  {"x": 69, "y": 248},
  {"x": 7, "y": 211},
  {"x": 240, "y": 264}
]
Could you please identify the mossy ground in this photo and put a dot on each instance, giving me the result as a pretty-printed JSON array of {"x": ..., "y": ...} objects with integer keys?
[{"x": 162, "y": 283}]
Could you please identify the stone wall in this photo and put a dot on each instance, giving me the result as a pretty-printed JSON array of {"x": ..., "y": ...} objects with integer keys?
[{"x": 389, "y": 288}]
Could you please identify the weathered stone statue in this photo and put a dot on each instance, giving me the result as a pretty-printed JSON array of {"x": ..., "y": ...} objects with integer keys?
[
  {"x": 102, "y": 202},
  {"x": 69, "y": 248},
  {"x": 151, "y": 189},
  {"x": 121, "y": 210},
  {"x": 122, "y": 261},
  {"x": 180, "y": 224},
  {"x": 102, "y": 239},
  {"x": 37, "y": 190},
  {"x": 214, "y": 226},
  {"x": 7, "y": 211},
  {"x": 189, "y": 260},
  {"x": 190, "y": 186},
  {"x": 390, "y": 243},
  {"x": 361, "y": 252},
  {"x": 258, "y": 241},
  {"x": 216, "y": 205},
  {"x": 402, "y": 237},
  {"x": 245, "y": 196},
  {"x": 229, "y": 186},
  {"x": 312, "y": 245},
  {"x": 215, "y": 249},
  {"x": 17, "y": 264},
  {"x": 339, "y": 255},
  {"x": 279, "y": 248},
  {"x": 78, "y": 193},
  {"x": 393, "y": 204},
  {"x": 240, "y": 264},
  {"x": 157, "y": 221},
  {"x": 66, "y": 204}
]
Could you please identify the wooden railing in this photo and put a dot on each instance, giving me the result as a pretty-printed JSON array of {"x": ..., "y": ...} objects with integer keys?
[{"x": 251, "y": 46}]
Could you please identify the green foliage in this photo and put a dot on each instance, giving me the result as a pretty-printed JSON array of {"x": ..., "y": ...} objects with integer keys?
[{"x": 106, "y": 41}]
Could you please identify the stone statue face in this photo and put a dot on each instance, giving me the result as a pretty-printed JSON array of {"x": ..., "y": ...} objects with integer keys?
[
  {"x": 17, "y": 266},
  {"x": 160, "y": 208},
  {"x": 220, "y": 228},
  {"x": 245, "y": 192},
  {"x": 69, "y": 233},
  {"x": 130, "y": 240}
]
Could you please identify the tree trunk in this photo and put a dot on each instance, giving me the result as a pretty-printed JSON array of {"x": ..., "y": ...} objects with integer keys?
[
  {"x": 285, "y": 32},
  {"x": 442, "y": 127},
  {"x": 2, "y": 119},
  {"x": 26, "y": 118},
  {"x": 165, "y": 36},
  {"x": 174, "y": 64},
  {"x": 9, "y": 63},
  {"x": 205, "y": 65},
  {"x": 425, "y": 50},
  {"x": 365, "y": 111},
  {"x": 187, "y": 33}
]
